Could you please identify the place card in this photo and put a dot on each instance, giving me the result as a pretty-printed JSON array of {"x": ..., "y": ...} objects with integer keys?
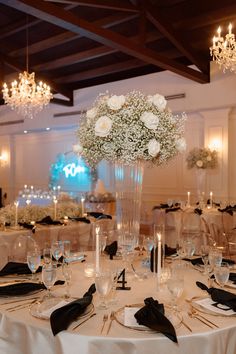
[{"x": 129, "y": 319}]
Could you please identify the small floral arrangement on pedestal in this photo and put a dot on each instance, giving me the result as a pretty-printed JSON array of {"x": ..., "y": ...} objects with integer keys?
[
  {"x": 130, "y": 128},
  {"x": 202, "y": 158}
]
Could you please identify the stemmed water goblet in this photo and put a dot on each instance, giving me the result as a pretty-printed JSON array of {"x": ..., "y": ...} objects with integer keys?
[
  {"x": 47, "y": 255},
  {"x": 204, "y": 254},
  {"x": 57, "y": 250},
  {"x": 175, "y": 285},
  {"x": 33, "y": 261},
  {"x": 221, "y": 273},
  {"x": 148, "y": 242},
  {"x": 66, "y": 250},
  {"x": 49, "y": 275},
  {"x": 103, "y": 283}
]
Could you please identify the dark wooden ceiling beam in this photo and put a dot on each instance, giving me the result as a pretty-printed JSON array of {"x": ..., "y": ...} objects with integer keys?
[
  {"x": 68, "y": 36},
  {"x": 87, "y": 55},
  {"x": 67, "y": 20},
  {"x": 165, "y": 27},
  {"x": 54, "y": 86},
  {"x": 119, "y": 5}
]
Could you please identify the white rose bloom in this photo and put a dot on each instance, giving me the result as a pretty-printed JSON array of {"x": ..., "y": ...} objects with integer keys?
[
  {"x": 159, "y": 101},
  {"x": 153, "y": 147},
  {"x": 150, "y": 120},
  {"x": 181, "y": 145},
  {"x": 103, "y": 126},
  {"x": 91, "y": 113},
  {"x": 116, "y": 102},
  {"x": 199, "y": 163},
  {"x": 209, "y": 158},
  {"x": 77, "y": 149}
]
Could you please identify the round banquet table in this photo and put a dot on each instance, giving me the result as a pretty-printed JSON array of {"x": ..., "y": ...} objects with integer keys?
[{"x": 21, "y": 333}]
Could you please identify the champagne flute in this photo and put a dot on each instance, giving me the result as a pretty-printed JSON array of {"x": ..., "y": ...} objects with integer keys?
[
  {"x": 33, "y": 261},
  {"x": 49, "y": 275},
  {"x": 221, "y": 273},
  {"x": 67, "y": 273},
  {"x": 103, "y": 282}
]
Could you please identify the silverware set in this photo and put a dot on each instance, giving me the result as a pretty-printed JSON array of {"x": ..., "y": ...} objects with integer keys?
[
  {"x": 105, "y": 319},
  {"x": 195, "y": 314}
]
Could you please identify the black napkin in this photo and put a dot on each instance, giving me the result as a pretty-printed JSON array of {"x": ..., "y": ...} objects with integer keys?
[
  {"x": 82, "y": 219},
  {"x": 198, "y": 211},
  {"x": 99, "y": 215},
  {"x": 23, "y": 288},
  {"x": 152, "y": 315},
  {"x": 199, "y": 261},
  {"x": 27, "y": 226},
  {"x": 172, "y": 209},
  {"x": 16, "y": 268},
  {"x": 111, "y": 249},
  {"x": 220, "y": 296},
  {"x": 48, "y": 221},
  {"x": 228, "y": 210},
  {"x": 169, "y": 251},
  {"x": 61, "y": 318},
  {"x": 232, "y": 277}
]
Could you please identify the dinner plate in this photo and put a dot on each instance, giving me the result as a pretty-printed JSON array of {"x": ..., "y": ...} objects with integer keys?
[
  {"x": 125, "y": 317},
  {"x": 207, "y": 305},
  {"x": 43, "y": 309}
]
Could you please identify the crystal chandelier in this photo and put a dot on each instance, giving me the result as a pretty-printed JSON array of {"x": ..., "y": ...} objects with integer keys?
[
  {"x": 223, "y": 50},
  {"x": 27, "y": 97}
]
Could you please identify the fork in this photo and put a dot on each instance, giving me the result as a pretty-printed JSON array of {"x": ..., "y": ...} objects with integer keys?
[
  {"x": 194, "y": 315},
  {"x": 105, "y": 318},
  {"x": 112, "y": 317}
]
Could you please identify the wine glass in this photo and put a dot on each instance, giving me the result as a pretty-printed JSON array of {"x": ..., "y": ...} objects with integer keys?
[
  {"x": 47, "y": 255},
  {"x": 204, "y": 254},
  {"x": 103, "y": 282},
  {"x": 103, "y": 242},
  {"x": 33, "y": 261},
  {"x": 57, "y": 250},
  {"x": 189, "y": 248},
  {"x": 215, "y": 257},
  {"x": 67, "y": 274},
  {"x": 66, "y": 250},
  {"x": 148, "y": 242},
  {"x": 221, "y": 273},
  {"x": 49, "y": 275}
]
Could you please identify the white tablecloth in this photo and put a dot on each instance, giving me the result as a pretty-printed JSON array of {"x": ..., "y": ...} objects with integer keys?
[{"x": 20, "y": 333}]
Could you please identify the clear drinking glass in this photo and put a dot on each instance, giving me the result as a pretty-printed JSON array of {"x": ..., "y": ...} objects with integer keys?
[
  {"x": 189, "y": 248},
  {"x": 49, "y": 275},
  {"x": 103, "y": 282},
  {"x": 66, "y": 249},
  {"x": 204, "y": 254},
  {"x": 221, "y": 274},
  {"x": 67, "y": 274},
  {"x": 47, "y": 255},
  {"x": 215, "y": 257},
  {"x": 175, "y": 285},
  {"x": 33, "y": 261},
  {"x": 57, "y": 249}
]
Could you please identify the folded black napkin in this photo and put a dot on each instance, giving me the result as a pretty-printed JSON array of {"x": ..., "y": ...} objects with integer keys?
[
  {"x": 16, "y": 268},
  {"x": 48, "y": 221},
  {"x": 228, "y": 210},
  {"x": 79, "y": 218},
  {"x": 23, "y": 288},
  {"x": 111, "y": 249},
  {"x": 27, "y": 226},
  {"x": 99, "y": 215},
  {"x": 199, "y": 261},
  {"x": 168, "y": 210},
  {"x": 220, "y": 296},
  {"x": 61, "y": 318},
  {"x": 152, "y": 315},
  {"x": 198, "y": 211},
  {"x": 232, "y": 277}
]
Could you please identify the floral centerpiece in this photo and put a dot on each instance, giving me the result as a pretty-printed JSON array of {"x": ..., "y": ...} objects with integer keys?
[
  {"x": 202, "y": 158},
  {"x": 130, "y": 128}
]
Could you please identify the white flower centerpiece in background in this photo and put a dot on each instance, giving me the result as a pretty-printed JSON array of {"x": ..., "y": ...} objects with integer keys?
[
  {"x": 203, "y": 158},
  {"x": 130, "y": 128}
]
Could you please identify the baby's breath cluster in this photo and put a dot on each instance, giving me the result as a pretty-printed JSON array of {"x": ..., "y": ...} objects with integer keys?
[
  {"x": 130, "y": 128},
  {"x": 202, "y": 158}
]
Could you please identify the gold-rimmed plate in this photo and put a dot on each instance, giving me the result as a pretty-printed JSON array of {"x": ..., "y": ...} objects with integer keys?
[
  {"x": 208, "y": 306},
  {"x": 125, "y": 317}
]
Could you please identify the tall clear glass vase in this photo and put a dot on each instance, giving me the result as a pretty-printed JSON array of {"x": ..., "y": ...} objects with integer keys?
[
  {"x": 201, "y": 184},
  {"x": 128, "y": 186}
]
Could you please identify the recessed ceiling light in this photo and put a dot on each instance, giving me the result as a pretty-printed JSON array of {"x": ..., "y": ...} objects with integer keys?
[
  {"x": 48, "y": 128},
  {"x": 25, "y": 131}
]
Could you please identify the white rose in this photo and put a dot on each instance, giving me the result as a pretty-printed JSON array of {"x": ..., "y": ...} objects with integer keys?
[
  {"x": 199, "y": 163},
  {"x": 209, "y": 158},
  {"x": 181, "y": 145},
  {"x": 103, "y": 126},
  {"x": 150, "y": 120},
  {"x": 77, "y": 148},
  {"x": 159, "y": 101},
  {"x": 116, "y": 102},
  {"x": 91, "y": 113},
  {"x": 153, "y": 147}
]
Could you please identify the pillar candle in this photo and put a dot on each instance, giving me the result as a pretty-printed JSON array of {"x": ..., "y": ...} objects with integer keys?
[
  {"x": 158, "y": 254},
  {"x": 97, "y": 249}
]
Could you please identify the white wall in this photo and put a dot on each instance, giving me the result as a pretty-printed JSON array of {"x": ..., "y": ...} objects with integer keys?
[{"x": 210, "y": 110}]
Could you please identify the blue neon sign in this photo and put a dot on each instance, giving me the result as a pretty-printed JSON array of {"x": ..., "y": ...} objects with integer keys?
[{"x": 71, "y": 169}]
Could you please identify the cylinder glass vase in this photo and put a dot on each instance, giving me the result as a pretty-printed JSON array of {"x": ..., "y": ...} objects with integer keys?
[
  {"x": 201, "y": 184},
  {"x": 128, "y": 186}
]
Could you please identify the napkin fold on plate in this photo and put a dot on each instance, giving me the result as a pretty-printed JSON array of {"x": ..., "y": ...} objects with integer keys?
[
  {"x": 47, "y": 220},
  {"x": 220, "y": 296},
  {"x": 198, "y": 211},
  {"x": 152, "y": 315},
  {"x": 79, "y": 218},
  {"x": 61, "y": 318},
  {"x": 23, "y": 288},
  {"x": 199, "y": 261},
  {"x": 111, "y": 249},
  {"x": 27, "y": 226},
  {"x": 168, "y": 210},
  {"x": 17, "y": 268},
  {"x": 99, "y": 215}
]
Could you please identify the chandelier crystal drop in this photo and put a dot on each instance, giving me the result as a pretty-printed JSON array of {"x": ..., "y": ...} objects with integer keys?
[
  {"x": 27, "y": 97},
  {"x": 223, "y": 50}
]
